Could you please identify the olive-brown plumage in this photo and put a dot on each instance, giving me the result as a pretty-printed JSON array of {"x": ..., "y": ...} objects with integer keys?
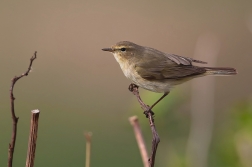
[{"x": 157, "y": 71}]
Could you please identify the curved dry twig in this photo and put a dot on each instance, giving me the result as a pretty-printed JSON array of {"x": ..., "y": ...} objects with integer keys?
[
  {"x": 13, "y": 115},
  {"x": 149, "y": 114}
]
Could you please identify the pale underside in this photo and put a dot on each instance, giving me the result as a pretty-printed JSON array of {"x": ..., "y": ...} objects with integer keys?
[{"x": 159, "y": 76}]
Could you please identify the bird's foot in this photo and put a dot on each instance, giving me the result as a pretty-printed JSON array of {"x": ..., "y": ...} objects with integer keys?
[
  {"x": 147, "y": 111},
  {"x": 132, "y": 87}
]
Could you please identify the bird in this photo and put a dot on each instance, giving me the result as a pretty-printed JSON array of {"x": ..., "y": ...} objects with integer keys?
[{"x": 157, "y": 71}]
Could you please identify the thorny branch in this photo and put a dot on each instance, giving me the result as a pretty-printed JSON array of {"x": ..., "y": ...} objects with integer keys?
[
  {"x": 149, "y": 114},
  {"x": 14, "y": 118}
]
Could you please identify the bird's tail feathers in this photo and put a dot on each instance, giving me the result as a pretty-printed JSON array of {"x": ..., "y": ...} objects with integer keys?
[{"x": 220, "y": 71}]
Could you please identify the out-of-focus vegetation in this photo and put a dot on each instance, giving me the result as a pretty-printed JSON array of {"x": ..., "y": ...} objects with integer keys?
[
  {"x": 77, "y": 87},
  {"x": 232, "y": 142}
]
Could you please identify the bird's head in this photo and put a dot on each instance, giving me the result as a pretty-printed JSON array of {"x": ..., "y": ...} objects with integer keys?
[{"x": 125, "y": 49}]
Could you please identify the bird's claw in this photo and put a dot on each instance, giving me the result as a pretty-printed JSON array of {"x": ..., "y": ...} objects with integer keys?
[
  {"x": 132, "y": 87},
  {"x": 146, "y": 112}
]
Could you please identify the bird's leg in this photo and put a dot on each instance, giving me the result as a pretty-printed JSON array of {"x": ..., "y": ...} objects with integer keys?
[
  {"x": 165, "y": 94},
  {"x": 134, "y": 89}
]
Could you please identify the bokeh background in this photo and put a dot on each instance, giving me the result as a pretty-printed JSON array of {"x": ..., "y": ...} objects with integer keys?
[{"x": 206, "y": 122}]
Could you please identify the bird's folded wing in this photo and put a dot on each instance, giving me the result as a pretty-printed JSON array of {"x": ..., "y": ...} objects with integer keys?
[
  {"x": 160, "y": 66},
  {"x": 168, "y": 72}
]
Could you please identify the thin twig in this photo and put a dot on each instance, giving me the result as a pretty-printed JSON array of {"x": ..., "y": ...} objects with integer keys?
[
  {"x": 149, "y": 114},
  {"x": 140, "y": 141},
  {"x": 32, "y": 139},
  {"x": 155, "y": 140},
  {"x": 13, "y": 115},
  {"x": 88, "y": 148}
]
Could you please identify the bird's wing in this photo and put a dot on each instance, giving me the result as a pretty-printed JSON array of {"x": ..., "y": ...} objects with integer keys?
[
  {"x": 183, "y": 60},
  {"x": 167, "y": 67},
  {"x": 173, "y": 72}
]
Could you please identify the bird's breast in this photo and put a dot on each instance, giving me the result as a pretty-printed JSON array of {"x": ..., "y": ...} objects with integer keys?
[
  {"x": 130, "y": 72},
  {"x": 126, "y": 66}
]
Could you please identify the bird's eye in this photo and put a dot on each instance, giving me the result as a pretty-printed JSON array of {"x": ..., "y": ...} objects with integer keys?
[{"x": 123, "y": 49}]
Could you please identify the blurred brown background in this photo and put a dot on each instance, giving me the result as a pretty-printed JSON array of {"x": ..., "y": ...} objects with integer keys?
[{"x": 77, "y": 87}]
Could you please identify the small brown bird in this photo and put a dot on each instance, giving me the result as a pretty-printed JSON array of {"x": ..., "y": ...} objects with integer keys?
[{"x": 156, "y": 71}]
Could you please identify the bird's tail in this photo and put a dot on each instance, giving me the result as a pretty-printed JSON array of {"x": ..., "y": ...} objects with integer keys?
[{"x": 220, "y": 71}]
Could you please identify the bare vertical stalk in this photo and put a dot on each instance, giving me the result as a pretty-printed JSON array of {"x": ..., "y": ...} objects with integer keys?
[
  {"x": 13, "y": 115},
  {"x": 32, "y": 139},
  {"x": 88, "y": 148},
  {"x": 140, "y": 141}
]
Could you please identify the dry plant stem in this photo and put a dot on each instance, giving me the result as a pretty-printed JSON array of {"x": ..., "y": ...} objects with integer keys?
[
  {"x": 88, "y": 148},
  {"x": 13, "y": 115},
  {"x": 155, "y": 140},
  {"x": 32, "y": 139},
  {"x": 140, "y": 141},
  {"x": 149, "y": 114}
]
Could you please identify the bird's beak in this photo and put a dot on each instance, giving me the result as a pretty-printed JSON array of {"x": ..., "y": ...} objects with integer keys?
[{"x": 107, "y": 49}]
